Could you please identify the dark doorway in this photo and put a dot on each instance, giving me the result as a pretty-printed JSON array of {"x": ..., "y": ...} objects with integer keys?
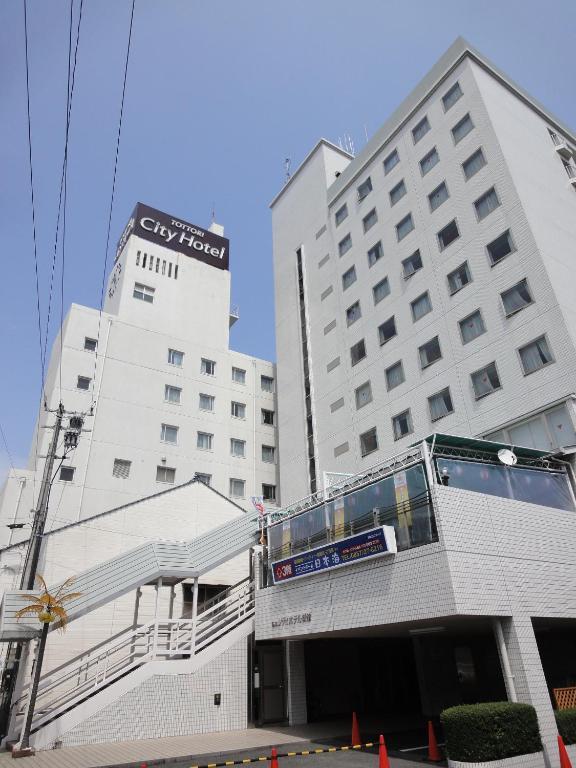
[
  {"x": 556, "y": 640},
  {"x": 270, "y": 663}
]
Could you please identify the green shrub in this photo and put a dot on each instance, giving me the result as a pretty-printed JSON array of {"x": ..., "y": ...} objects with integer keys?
[
  {"x": 491, "y": 731},
  {"x": 566, "y": 722}
]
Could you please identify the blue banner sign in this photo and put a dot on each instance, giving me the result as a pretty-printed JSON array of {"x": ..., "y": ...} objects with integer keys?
[{"x": 362, "y": 546}]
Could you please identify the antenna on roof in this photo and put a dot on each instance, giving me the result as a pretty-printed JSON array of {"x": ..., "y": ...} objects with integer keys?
[
  {"x": 348, "y": 143},
  {"x": 366, "y": 133},
  {"x": 287, "y": 163},
  {"x": 213, "y": 214}
]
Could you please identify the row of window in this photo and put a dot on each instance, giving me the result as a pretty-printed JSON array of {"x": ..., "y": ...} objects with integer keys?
[
  {"x": 205, "y": 442},
  {"x": 155, "y": 264}
]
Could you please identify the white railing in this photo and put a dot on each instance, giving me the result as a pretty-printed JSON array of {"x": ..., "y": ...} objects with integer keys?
[{"x": 81, "y": 677}]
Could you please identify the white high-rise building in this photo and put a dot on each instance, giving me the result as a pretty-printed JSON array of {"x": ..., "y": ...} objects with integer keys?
[
  {"x": 170, "y": 399},
  {"x": 428, "y": 283}
]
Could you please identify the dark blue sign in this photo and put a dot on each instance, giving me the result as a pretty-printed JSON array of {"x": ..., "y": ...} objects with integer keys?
[{"x": 373, "y": 543}]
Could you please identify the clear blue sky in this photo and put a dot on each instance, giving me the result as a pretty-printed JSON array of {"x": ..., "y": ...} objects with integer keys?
[{"x": 219, "y": 93}]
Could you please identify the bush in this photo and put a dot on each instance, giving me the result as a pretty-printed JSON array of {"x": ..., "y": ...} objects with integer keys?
[
  {"x": 491, "y": 731},
  {"x": 566, "y": 722}
]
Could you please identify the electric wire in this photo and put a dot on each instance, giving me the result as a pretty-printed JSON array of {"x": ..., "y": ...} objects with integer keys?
[{"x": 6, "y": 447}]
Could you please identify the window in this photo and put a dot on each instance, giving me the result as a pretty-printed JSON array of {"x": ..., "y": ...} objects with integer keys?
[
  {"x": 326, "y": 293},
  {"x": 175, "y": 357},
  {"x": 391, "y": 161},
  {"x": 345, "y": 244},
  {"x": 429, "y": 352},
  {"x": 458, "y": 278},
  {"x": 411, "y": 265},
  {"x": 238, "y": 375},
  {"x": 330, "y": 327},
  {"x": 206, "y": 402},
  {"x": 375, "y": 254},
  {"x": 90, "y": 344},
  {"x": 387, "y": 330},
  {"x": 438, "y": 196},
  {"x": 266, "y": 384},
  {"x": 404, "y": 227},
  {"x": 473, "y": 164},
  {"x": 364, "y": 189},
  {"x": 172, "y": 394},
  {"x": 421, "y": 306},
  {"x": 323, "y": 260},
  {"x": 451, "y": 96},
  {"x": 169, "y": 434},
  {"x": 333, "y": 364},
  {"x": 448, "y": 234},
  {"x": 485, "y": 381},
  {"x": 165, "y": 475},
  {"x": 472, "y": 326},
  {"x": 369, "y": 220},
  {"x": 237, "y": 488},
  {"x": 381, "y": 290},
  {"x": 83, "y": 382},
  {"x": 500, "y": 247},
  {"x": 336, "y": 405},
  {"x": 486, "y": 204},
  {"x": 397, "y": 192},
  {"x": 67, "y": 474},
  {"x": 535, "y": 355},
  {"x": 204, "y": 441},
  {"x": 238, "y": 410},
  {"x": 394, "y": 375},
  {"x": 237, "y": 448},
  {"x": 268, "y": 492},
  {"x": 203, "y": 478},
  {"x": 353, "y": 313},
  {"x": 402, "y": 425},
  {"x": 462, "y": 128},
  {"x": 420, "y": 130},
  {"x": 341, "y": 214},
  {"x": 363, "y": 395},
  {"x": 516, "y": 298},
  {"x": 357, "y": 352},
  {"x": 121, "y": 469},
  {"x": 268, "y": 454},
  {"x": 267, "y": 417},
  {"x": 143, "y": 292},
  {"x": 368, "y": 442},
  {"x": 429, "y": 161},
  {"x": 440, "y": 404},
  {"x": 348, "y": 278},
  {"x": 208, "y": 367}
]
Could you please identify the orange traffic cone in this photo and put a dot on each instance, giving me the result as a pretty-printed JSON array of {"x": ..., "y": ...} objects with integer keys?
[
  {"x": 355, "y": 730},
  {"x": 433, "y": 751},
  {"x": 564, "y": 759},
  {"x": 274, "y": 758},
  {"x": 383, "y": 761}
]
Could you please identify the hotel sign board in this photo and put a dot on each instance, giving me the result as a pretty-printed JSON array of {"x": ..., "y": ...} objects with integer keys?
[
  {"x": 181, "y": 236},
  {"x": 354, "y": 549}
]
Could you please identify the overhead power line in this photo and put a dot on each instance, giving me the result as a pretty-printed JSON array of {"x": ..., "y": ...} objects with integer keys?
[{"x": 6, "y": 447}]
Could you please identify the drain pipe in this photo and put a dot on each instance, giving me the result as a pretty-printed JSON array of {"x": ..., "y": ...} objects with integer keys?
[{"x": 504, "y": 660}]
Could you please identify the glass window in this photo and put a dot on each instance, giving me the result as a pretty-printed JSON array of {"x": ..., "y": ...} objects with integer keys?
[
  {"x": 394, "y": 375},
  {"x": 237, "y": 448},
  {"x": 381, "y": 290},
  {"x": 238, "y": 410},
  {"x": 391, "y": 161},
  {"x": 375, "y": 254},
  {"x": 448, "y": 234},
  {"x": 336, "y": 405},
  {"x": 499, "y": 248},
  {"x": 458, "y": 278},
  {"x": 203, "y": 478},
  {"x": 121, "y": 469},
  {"x": 369, "y": 220},
  {"x": 485, "y": 381},
  {"x": 462, "y": 128},
  {"x": 421, "y": 306},
  {"x": 169, "y": 433},
  {"x": 387, "y": 330},
  {"x": 172, "y": 394},
  {"x": 451, "y": 96},
  {"x": 266, "y": 383},
  {"x": 440, "y": 404},
  {"x": 363, "y": 395},
  {"x": 535, "y": 355},
  {"x": 204, "y": 441},
  {"x": 143, "y": 292},
  {"x": 402, "y": 425},
  {"x": 353, "y": 313},
  {"x": 486, "y": 204},
  {"x": 267, "y": 417},
  {"x": 83, "y": 382},
  {"x": 357, "y": 352},
  {"x": 341, "y": 214},
  {"x": 397, "y": 192},
  {"x": 404, "y": 227},
  {"x": 208, "y": 367},
  {"x": 438, "y": 196},
  {"x": 368, "y": 442},
  {"x": 90, "y": 344},
  {"x": 175, "y": 357},
  {"x": 472, "y": 326},
  {"x": 326, "y": 293},
  {"x": 429, "y": 161},
  {"x": 268, "y": 454},
  {"x": 330, "y": 327},
  {"x": 67, "y": 474},
  {"x": 237, "y": 488},
  {"x": 429, "y": 352},
  {"x": 348, "y": 278},
  {"x": 165, "y": 475},
  {"x": 473, "y": 164},
  {"x": 268, "y": 492},
  {"x": 345, "y": 244},
  {"x": 364, "y": 189},
  {"x": 516, "y": 298},
  {"x": 420, "y": 130},
  {"x": 412, "y": 264},
  {"x": 238, "y": 375},
  {"x": 206, "y": 402}
]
